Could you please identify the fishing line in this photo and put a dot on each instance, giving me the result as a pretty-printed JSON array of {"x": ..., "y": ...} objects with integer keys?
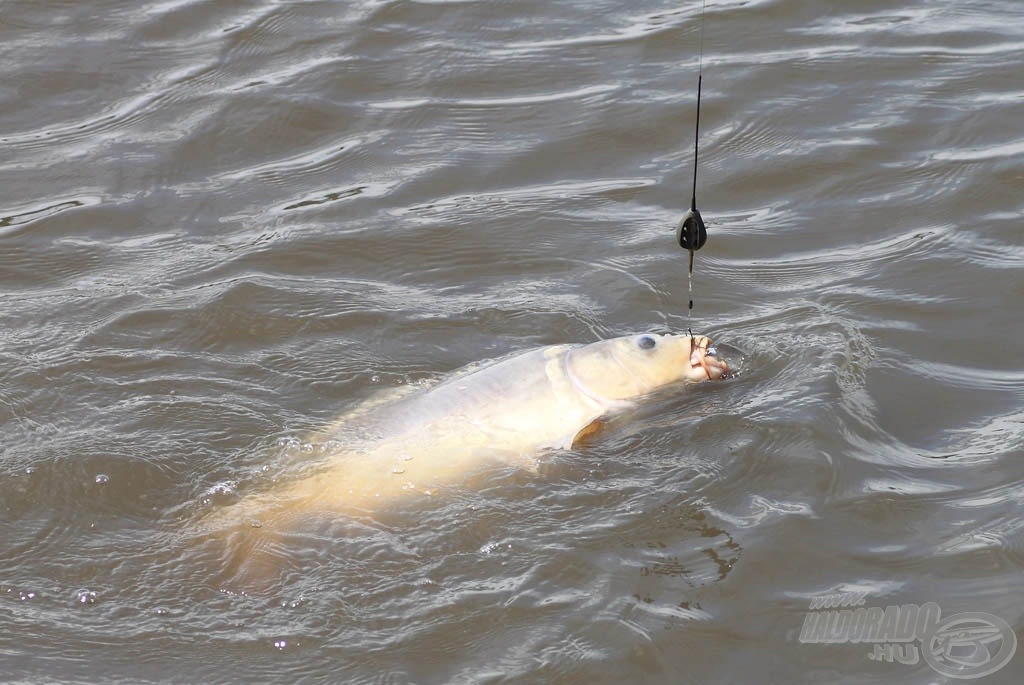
[{"x": 691, "y": 233}]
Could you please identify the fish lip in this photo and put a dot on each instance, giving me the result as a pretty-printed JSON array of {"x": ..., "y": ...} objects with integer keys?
[{"x": 713, "y": 367}]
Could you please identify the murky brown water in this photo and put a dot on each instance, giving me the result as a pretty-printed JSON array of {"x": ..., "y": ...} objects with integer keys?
[{"x": 226, "y": 223}]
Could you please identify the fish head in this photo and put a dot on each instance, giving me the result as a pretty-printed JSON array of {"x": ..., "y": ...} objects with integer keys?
[{"x": 623, "y": 368}]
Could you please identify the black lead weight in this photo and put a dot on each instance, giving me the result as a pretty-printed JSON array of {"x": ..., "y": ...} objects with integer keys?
[{"x": 691, "y": 233}]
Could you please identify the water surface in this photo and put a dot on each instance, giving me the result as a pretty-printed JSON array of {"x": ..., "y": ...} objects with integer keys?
[{"x": 223, "y": 225}]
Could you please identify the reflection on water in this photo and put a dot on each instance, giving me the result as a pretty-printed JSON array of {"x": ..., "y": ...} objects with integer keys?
[{"x": 222, "y": 227}]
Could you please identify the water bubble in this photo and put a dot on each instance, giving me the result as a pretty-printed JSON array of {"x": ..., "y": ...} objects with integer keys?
[
  {"x": 288, "y": 442},
  {"x": 25, "y": 596},
  {"x": 30, "y": 470},
  {"x": 375, "y": 378},
  {"x": 255, "y": 523},
  {"x": 307, "y": 448},
  {"x": 281, "y": 644},
  {"x": 397, "y": 470},
  {"x": 86, "y": 597},
  {"x": 226, "y": 487},
  {"x": 102, "y": 479},
  {"x": 495, "y": 546},
  {"x": 292, "y": 603},
  {"x": 162, "y": 611}
]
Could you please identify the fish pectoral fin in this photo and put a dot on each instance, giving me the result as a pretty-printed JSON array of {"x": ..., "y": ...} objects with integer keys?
[{"x": 583, "y": 435}]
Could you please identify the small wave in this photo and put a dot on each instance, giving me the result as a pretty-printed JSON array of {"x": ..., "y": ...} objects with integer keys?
[{"x": 16, "y": 222}]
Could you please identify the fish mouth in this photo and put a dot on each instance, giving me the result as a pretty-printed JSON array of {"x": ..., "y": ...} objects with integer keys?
[{"x": 704, "y": 365}]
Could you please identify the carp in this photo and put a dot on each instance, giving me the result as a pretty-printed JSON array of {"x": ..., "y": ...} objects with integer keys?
[{"x": 513, "y": 409}]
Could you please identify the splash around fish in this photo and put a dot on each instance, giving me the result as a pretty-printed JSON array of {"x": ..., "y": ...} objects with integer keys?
[{"x": 511, "y": 410}]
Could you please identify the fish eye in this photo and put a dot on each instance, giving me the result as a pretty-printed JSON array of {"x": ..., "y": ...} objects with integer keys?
[{"x": 646, "y": 342}]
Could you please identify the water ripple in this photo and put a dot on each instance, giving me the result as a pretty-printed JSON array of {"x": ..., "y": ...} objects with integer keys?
[{"x": 231, "y": 224}]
